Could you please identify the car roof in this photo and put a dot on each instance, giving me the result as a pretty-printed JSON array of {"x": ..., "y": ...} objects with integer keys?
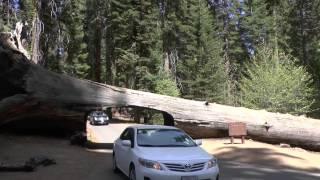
[{"x": 145, "y": 126}]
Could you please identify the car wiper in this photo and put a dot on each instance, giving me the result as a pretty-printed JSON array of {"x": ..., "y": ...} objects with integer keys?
[
  {"x": 148, "y": 145},
  {"x": 166, "y": 145},
  {"x": 174, "y": 145}
]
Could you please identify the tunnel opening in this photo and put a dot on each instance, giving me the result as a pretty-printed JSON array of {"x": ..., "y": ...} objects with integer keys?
[
  {"x": 134, "y": 114},
  {"x": 139, "y": 115},
  {"x": 120, "y": 118},
  {"x": 67, "y": 126}
]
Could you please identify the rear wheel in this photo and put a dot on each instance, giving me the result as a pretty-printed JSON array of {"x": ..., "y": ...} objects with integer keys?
[{"x": 132, "y": 173}]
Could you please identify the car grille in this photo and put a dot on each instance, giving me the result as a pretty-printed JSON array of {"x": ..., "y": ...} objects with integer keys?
[{"x": 185, "y": 167}]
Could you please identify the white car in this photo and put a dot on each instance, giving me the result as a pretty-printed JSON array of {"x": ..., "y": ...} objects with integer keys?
[
  {"x": 149, "y": 152},
  {"x": 98, "y": 118}
]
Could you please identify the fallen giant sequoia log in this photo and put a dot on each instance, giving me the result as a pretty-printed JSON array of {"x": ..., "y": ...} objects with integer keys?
[{"x": 28, "y": 90}]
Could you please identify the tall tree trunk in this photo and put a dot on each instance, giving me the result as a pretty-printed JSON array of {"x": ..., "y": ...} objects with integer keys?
[
  {"x": 36, "y": 32},
  {"x": 302, "y": 34},
  {"x": 97, "y": 55},
  {"x": 226, "y": 56},
  {"x": 109, "y": 46},
  {"x": 109, "y": 57}
]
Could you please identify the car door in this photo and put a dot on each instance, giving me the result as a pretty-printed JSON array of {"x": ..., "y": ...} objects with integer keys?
[{"x": 124, "y": 152}]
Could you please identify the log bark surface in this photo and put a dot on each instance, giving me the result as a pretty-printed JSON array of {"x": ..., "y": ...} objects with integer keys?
[{"x": 27, "y": 89}]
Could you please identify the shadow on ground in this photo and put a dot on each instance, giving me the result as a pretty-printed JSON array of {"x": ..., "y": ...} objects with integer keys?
[
  {"x": 74, "y": 162},
  {"x": 260, "y": 164},
  {"x": 94, "y": 145}
]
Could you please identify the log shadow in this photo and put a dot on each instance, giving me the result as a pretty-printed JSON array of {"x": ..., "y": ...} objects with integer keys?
[
  {"x": 228, "y": 143},
  {"x": 94, "y": 145},
  {"x": 42, "y": 126},
  {"x": 73, "y": 162},
  {"x": 259, "y": 164}
]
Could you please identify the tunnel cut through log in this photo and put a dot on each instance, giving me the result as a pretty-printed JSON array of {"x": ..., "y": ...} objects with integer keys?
[{"x": 28, "y": 90}]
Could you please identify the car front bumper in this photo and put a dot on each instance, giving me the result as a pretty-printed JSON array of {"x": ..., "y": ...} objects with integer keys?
[
  {"x": 206, "y": 174},
  {"x": 97, "y": 122}
]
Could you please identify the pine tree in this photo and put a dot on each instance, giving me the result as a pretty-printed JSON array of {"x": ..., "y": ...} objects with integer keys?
[
  {"x": 209, "y": 77},
  {"x": 7, "y": 20},
  {"x": 76, "y": 62},
  {"x": 62, "y": 39},
  {"x": 193, "y": 49},
  {"x": 257, "y": 22},
  {"x": 179, "y": 26},
  {"x": 304, "y": 30},
  {"x": 109, "y": 47},
  {"x": 94, "y": 29},
  {"x": 304, "y": 33},
  {"x": 148, "y": 41},
  {"x": 135, "y": 40},
  {"x": 229, "y": 15},
  {"x": 276, "y": 83},
  {"x": 122, "y": 24}
]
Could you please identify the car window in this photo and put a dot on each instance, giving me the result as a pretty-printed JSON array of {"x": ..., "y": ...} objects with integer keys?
[
  {"x": 163, "y": 138},
  {"x": 98, "y": 114},
  {"x": 125, "y": 135},
  {"x": 128, "y": 134}
]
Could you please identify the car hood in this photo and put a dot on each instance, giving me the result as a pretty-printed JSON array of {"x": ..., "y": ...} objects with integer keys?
[{"x": 174, "y": 153}]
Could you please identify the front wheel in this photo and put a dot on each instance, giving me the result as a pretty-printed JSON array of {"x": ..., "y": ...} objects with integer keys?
[
  {"x": 114, "y": 164},
  {"x": 132, "y": 174}
]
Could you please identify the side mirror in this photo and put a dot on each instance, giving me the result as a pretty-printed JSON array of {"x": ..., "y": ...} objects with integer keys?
[
  {"x": 198, "y": 142},
  {"x": 126, "y": 143}
]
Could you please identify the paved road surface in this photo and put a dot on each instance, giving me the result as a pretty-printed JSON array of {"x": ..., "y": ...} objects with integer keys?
[
  {"x": 105, "y": 134},
  {"x": 78, "y": 163},
  {"x": 230, "y": 170}
]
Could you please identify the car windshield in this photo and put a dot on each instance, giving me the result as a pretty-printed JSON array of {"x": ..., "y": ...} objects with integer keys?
[
  {"x": 99, "y": 113},
  {"x": 163, "y": 138}
]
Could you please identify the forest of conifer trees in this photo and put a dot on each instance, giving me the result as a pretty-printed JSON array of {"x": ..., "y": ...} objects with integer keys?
[{"x": 261, "y": 54}]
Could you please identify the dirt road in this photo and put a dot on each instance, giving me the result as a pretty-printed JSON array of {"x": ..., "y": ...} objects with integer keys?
[{"x": 252, "y": 161}]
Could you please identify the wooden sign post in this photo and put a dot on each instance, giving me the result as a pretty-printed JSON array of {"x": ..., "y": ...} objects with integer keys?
[{"x": 237, "y": 129}]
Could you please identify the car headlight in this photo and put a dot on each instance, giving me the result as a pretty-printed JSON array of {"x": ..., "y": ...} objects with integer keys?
[
  {"x": 212, "y": 163},
  {"x": 150, "y": 164}
]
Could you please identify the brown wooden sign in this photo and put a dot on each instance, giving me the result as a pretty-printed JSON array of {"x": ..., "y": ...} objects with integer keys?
[{"x": 237, "y": 129}]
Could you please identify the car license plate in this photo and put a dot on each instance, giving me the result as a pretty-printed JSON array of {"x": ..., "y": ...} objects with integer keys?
[{"x": 189, "y": 178}]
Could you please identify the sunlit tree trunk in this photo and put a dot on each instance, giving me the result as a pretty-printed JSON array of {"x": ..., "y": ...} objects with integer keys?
[{"x": 36, "y": 32}]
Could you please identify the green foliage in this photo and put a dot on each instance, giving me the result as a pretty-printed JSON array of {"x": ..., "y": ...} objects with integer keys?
[
  {"x": 190, "y": 36},
  {"x": 303, "y": 18},
  {"x": 76, "y": 63},
  {"x": 137, "y": 43},
  {"x": 195, "y": 49},
  {"x": 266, "y": 22},
  {"x": 277, "y": 84},
  {"x": 7, "y": 20},
  {"x": 231, "y": 28},
  {"x": 259, "y": 23},
  {"x": 66, "y": 31},
  {"x": 166, "y": 86},
  {"x": 209, "y": 76}
]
